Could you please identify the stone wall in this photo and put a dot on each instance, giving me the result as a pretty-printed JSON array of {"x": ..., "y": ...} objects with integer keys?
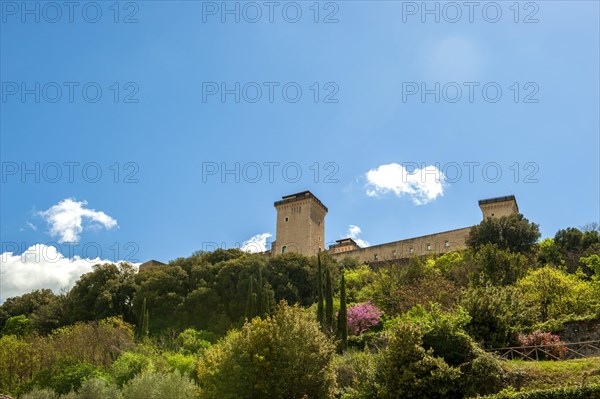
[
  {"x": 418, "y": 246},
  {"x": 580, "y": 331}
]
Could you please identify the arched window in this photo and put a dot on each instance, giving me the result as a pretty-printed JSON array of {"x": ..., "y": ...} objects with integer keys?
[{"x": 283, "y": 249}]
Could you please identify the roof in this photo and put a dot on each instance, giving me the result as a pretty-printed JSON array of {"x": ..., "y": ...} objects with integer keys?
[
  {"x": 298, "y": 197},
  {"x": 497, "y": 199},
  {"x": 344, "y": 240}
]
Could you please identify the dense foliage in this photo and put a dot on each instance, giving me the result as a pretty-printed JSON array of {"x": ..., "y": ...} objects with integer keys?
[
  {"x": 283, "y": 356},
  {"x": 228, "y": 324}
]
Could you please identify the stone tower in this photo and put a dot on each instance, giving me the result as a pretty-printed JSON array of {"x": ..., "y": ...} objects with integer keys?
[
  {"x": 498, "y": 207},
  {"x": 300, "y": 225}
]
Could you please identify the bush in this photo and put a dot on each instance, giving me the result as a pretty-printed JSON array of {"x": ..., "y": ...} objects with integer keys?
[
  {"x": 585, "y": 392},
  {"x": 39, "y": 393},
  {"x": 17, "y": 325},
  {"x": 66, "y": 376},
  {"x": 355, "y": 375},
  {"x": 498, "y": 266},
  {"x": 406, "y": 370},
  {"x": 284, "y": 356},
  {"x": 192, "y": 341},
  {"x": 129, "y": 365},
  {"x": 555, "y": 294},
  {"x": 98, "y": 389},
  {"x": 443, "y": 335},
  {"x": 496, "y": 313},
  {"x": 547, "y": 341},
  {"x": 185, "y": 365},
  {"x": 160, "y": 386}
]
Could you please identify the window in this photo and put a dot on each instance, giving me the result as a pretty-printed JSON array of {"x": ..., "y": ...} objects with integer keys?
[
  {"x": 283, "y": 249},
  {"x": 286, "y": 218},
  {"x": 429, "y": 247},
  {"x": 375, "y": 256},
  {"x": 447, "y": 244},
  {"x": 411, "y": 250}
]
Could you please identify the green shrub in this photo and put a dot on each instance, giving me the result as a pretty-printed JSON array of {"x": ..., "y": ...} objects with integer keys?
[
  {"x": 443, "y": 335},
  {"x": 283, "y": 356},
  {"x": 496, "y": 314},
  {"x": 355, "y": 375},
  {"x": 185, "y": 365},
  {"x": 406, "y": 370},
  {"x": 128, "y": 365},
  {"x": 98, "y": 389},
  {"x": 585, "y": 392},
  {"x": 66, "y": 376},
  {"x": 160, "y": 386},
  {"x": 554, "y": 293},
  {"x": 17, "y": 325},
  {"x": 193, "y": 341},
  {"x": 40, "y": 393}
]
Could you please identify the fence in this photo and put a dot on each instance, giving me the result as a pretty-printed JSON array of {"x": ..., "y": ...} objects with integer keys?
[{"x": 562, "y": 351}]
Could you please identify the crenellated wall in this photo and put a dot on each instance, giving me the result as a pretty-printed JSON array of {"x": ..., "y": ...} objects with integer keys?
[{"x": 418, "y": 246}]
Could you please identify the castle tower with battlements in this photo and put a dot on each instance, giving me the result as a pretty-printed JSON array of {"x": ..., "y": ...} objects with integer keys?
[{"x": 300, "y": 224}]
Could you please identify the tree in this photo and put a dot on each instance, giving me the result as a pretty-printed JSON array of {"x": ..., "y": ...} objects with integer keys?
[
  {"x": 42, "y": 307},
  {"x": 17, "y": 325},
  {"x": 144, "y": 324},
  {"x": 328, "y": 301},
  {"x": 549, "y": 253},
  {"x": 443, "y": 335},
  {"x": 572, "y": 244},
  {"x": 106, "y": 291},
  {"x": 320, "y": 314},
  {"x": 363, "y": 316},
  {"x": 251, "y": 301},
  {"x": 283, "y": 356},
  {"x": 66, "y": 376},
  {"x": 342, "y": 327},
  {"x": 496, "y": 313},
  {"x": 554, "y": 293},
  {"x": 407, "y": 371},
  {"x": 498, "y": 266},
  {"x": 514, "y": 233}
]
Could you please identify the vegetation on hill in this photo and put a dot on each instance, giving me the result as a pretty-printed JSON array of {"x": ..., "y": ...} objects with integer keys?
[{"x": 227, "y": 324}]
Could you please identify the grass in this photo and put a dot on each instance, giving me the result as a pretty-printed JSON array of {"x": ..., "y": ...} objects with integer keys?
[{"x": 528, "y": 375}]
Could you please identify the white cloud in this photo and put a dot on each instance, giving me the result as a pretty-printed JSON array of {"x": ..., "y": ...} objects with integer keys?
[
  {"x": 422, "y": 185},
  {"x": 353, "y": 232},
  {"x": 66, "y": 219},
  {"x": 257, "y": 243},
  {"x": 41, "y": 266}
]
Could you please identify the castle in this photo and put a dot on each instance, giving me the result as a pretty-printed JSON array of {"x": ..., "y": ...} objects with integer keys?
[{"x": 301, "y": 228}]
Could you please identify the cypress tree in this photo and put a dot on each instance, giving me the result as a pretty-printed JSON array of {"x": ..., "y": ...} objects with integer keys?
[
  {"x": 260, "y": 309},
  {"x": 144, "y": 327},
  {"x": 250, "y": 301},
  {"x": 342, "y": 327},
  {"x": 319, "y": 291},
  {"x": 328, "y": 301}
]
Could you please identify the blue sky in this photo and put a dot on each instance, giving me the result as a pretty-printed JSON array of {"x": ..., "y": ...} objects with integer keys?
[{"x": 161, "y": 132}]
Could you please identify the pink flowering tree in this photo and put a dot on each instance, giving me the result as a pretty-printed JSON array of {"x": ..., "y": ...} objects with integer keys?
[
  {"x": 363, "y": 316},
  {"x": 545, "y": 341}
]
